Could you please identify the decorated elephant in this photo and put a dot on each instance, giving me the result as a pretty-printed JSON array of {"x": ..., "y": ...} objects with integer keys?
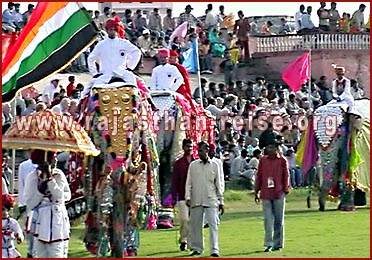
[
  {"x": 334, "y": 154},
  {"x": 123, "y": 194}
]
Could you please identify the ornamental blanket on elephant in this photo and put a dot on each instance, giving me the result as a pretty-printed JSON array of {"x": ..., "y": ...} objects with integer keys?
[
  {"x": 343, "y": 152},
  {"x": 124, "y": 175}
]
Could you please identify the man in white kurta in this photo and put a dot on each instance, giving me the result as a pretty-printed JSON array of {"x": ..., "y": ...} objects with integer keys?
[
  {"x": 50, "y": 89},
  {"x": 341, "y": 89},
  {"x": 165, "y": 76},
  {"x": 25, "y": 168},
  {"x": 45, "y": 199},
  {"x": 114, "y": 56},
  {"x": 204, "y": 196}
]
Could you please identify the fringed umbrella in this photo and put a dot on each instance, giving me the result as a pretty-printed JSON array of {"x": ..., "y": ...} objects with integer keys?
[{"x": 48, "y": 131}]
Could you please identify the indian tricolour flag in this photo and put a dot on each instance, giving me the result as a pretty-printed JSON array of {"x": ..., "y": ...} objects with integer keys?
[{"x": 55, "y": 35}]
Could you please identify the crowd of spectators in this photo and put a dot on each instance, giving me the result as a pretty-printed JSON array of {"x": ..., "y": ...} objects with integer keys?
[
  {"x": 249, "y": 100},
  {"x": 330, "y": 20},
  {"x": 13, "y": 20},
  {"x": 218, "y": 36}
]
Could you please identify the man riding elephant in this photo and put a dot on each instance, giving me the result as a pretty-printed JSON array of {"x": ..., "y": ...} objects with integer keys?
[
  {"x": 165, "y": 76},
  {"x": 341, "y": 89},
  {"x": 114, "y": 57}
]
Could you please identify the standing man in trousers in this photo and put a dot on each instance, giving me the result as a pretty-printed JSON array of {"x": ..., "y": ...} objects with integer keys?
[
  {"x": 204, "y": 196},
  {"x": 272, "y": 185},
  {"x": 179, "y": 175}
]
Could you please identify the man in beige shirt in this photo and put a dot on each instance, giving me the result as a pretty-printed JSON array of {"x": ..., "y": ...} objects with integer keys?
[
  {"x": 204, "y": 197},
  {"x": 169, "y": 23}
]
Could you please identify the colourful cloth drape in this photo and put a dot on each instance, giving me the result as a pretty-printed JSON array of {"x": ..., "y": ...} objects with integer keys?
[
  {"x": 311, "y": 151},
  {"x": 359, "y": 166}
]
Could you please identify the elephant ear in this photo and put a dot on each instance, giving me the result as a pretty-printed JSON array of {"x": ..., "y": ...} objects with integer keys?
[{"x": 330, "y": 118}]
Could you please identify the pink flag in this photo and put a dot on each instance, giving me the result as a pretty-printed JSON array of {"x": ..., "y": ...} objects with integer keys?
[
  {"x": 298, "y": 72},
  {"x": 179, "y": 32}
]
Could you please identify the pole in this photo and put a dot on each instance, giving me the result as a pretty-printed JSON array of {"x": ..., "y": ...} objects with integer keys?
[
  {"x": 198, "y": 71},
  {"x": 12, "y": 179},
  {"x": 310, "y": 101}
]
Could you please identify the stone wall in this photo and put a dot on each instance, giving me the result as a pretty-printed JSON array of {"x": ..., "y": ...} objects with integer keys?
[{"x": 356, "y": 62}]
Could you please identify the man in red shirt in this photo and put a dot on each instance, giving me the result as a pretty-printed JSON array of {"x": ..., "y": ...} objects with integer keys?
[
  {"x": 272, "y": 185},
  {"x": 179, "y": 177},
  {"x": 71, "y": 87}
]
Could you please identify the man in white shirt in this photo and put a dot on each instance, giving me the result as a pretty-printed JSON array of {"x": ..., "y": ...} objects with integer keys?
[
  {"x": 212, "y": 155},
  {"x": 341, "y": 88},
  {"x": 298, "y": 17},
  {"x": 8, "y": 18},
  {"x": 239, "y": 165},
  {"x": 62, "y": 107},
  {"x": 306, "y": 22},
  {"x": 212, "y": 19},
  {"x": 50, "y": 89},
  {"x": 115, "y": 56},
  {"x": 25, "y": 168},
  {"x": 204, "y": 196},
  {"x": 165, "y": 76},
  {"x": 357, "y": 20}
]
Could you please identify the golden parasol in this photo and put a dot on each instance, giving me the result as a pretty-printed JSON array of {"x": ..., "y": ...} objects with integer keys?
[{"x": 48, "y": 131}]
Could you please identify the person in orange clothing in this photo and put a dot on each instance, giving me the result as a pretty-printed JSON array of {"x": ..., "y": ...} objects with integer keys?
[
  {"x": 185, "y": 88},
  {"x": 344, "y": 23}
]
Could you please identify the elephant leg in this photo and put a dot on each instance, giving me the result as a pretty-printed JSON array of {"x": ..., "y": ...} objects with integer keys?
[
  {"x": 323, "y": 193},
  {"x": 347, "y": 199}
]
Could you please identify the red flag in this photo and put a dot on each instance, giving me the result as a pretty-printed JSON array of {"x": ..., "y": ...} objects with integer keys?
[{"x": 298, "y": 72}]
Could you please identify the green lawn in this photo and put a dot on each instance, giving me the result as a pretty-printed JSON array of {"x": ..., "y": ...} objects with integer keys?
[{"x": 308, "y": 232}]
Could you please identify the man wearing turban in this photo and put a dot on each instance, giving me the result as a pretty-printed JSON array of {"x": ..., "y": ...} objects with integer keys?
[
  {"x": 114, "y": 56},
  {"x": 185, "y": 88},
  {"x": 341, "y": 88},
  {"x": 165, "y": 76},
  {"x": 45, "y": 193}
]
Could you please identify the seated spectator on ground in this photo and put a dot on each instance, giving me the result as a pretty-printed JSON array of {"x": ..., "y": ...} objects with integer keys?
[
  {"x": 41, "y": 107},
  {"x": 212, "y": 90},
  {"x": 31, "y": 107},
  {"x": 239, "y": 165},
  {"x": 56, "y": 99},
  {"x": 62, "y": 107},
  {"x": 144, "y": 43},
  {"x": 196, "y": 94}
]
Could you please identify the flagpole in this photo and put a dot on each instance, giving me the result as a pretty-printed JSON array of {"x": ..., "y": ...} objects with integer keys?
[
  {"x": 310, "y": 99},
  {"x": 198, "y": 71},
  {"x": 12, "y": 178}
]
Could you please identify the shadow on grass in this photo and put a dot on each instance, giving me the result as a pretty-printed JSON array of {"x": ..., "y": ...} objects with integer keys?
[
  {"x": 245, "y": 253},
  {"x": 167, "y": 252},
  {"x": 241, "y": 215}
]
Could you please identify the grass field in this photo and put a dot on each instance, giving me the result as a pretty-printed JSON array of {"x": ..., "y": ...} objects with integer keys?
[{"x": 308, "y": 232}]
